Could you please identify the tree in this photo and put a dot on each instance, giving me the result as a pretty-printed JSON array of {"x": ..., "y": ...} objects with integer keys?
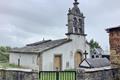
[
  {"x": 4, "y": 56},
  {"x": 94, "y": 44}
]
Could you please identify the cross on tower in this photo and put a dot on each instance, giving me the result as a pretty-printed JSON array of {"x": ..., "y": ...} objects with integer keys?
[
  {"x": 76, "y": 3},
  {"x": 75, "y": 0}
]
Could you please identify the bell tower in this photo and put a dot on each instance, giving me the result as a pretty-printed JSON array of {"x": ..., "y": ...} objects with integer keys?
[{"x": 75, "y": 20}]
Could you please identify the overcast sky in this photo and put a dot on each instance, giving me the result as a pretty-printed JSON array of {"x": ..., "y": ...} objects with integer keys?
[{"x": 26, "y": 21}]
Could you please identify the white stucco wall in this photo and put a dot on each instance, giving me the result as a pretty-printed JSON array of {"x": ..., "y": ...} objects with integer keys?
[
  {"x": 64, "y": 50},
  {"x": 88, "y": 50},
  {"x": 26, "y": 60},
  {"x": 67, "y": 51},
  {"x": 79, "y": 42}
]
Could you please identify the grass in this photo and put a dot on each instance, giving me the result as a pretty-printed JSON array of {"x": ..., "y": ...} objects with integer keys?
[
  {"x": 7, "y": 65},
  {"x": 53, "y": 75}
]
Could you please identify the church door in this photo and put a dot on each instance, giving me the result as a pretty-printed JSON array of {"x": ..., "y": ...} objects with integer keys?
[
  {"x": 78, "y": 59},
  {"x": 58, "y": 62}
]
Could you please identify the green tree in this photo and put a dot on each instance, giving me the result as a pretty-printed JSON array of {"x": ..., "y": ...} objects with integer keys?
[
  {"x": 94, "y": 44},
  {"x": 4, "y": 56}
]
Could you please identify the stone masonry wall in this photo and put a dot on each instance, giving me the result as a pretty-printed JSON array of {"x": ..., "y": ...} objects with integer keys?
[
  {"x": 17, "y": 75},
  {"x": 111, "y": 74},
  {"x": 114, "y": 38}
]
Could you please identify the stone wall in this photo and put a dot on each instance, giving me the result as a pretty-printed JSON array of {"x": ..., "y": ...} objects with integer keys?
[
  {"x": 108, "y": 74},
  {"x": 18, "y": 75},
  {"x": 114, "y": 37}
]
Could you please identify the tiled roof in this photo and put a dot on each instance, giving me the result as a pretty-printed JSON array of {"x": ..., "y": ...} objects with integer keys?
[
  {"x": 98, "y": 62},
  {"x": 41, "y": 46},
  {"x": 113, "y": 28}
]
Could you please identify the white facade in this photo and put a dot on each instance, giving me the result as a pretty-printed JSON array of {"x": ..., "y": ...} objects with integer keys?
[
  {"x": 67, "y": 51},
  {"x": 26, "y": 60}
]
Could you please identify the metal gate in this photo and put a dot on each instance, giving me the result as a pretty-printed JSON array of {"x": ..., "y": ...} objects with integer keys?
[{"x": 57, "y": 75}]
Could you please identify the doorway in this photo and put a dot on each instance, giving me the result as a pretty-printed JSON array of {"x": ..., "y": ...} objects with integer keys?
[
  {"x": 77, "y": 59},
  {"x": 58, "y": 62}
]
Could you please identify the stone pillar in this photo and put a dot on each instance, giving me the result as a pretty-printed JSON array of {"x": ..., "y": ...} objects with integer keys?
[
  {"x": 114, "y": 38},
  {"x": 80, "y": 74}
]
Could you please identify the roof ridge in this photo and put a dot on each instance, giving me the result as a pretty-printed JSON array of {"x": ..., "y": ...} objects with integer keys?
[
  {"x": 38, "y": 43},
  {"x": 60, "y": 39},
  {"x": 43, "y": 46}
]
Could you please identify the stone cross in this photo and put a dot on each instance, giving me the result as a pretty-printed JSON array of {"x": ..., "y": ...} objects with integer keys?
[{"x": 85, "y": 54}]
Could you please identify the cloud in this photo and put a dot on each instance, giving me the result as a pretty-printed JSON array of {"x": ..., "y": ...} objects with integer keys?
[
  {"x": 25, "y": 21},
  {"x": 100, "y": 15}
]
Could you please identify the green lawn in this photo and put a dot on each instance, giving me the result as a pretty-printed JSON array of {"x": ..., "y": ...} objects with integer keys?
[
  {"x": 7, "y": 65},
  {"x": 53, "y": 76}
]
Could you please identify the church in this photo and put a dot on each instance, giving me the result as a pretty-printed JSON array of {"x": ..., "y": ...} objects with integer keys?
[{"x": 61, "y": 54}]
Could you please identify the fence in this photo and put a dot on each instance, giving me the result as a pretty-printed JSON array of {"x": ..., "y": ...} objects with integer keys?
[
  {"x": 57, "y": 75},
  {"x": 18, "y": 75}
]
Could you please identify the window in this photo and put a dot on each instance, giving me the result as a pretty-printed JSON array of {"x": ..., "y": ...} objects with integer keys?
[
  {"x": 18, "y": 61},
  {"x": 80, "y": 30},
  {"x": 75, "y": 29},
  {"x": 97, "y": 56},
  {"x": 92, "y": 56},
  {"x": 80, "y": 22},
  {"x": 67, "y": 64},
  {"x": 33, "y": 60},
  {"x": 75, "y": 24}
]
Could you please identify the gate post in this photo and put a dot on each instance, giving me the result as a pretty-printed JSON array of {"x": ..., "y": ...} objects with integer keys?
[
  {"x": 80, "y": 74},
  {"x": 39, "y": 75},
  {"x": 57, "y": 75},
  {"x": 3, "y": 75}
]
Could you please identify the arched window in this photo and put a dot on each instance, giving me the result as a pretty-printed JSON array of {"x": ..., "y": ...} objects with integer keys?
[
  {"x": 80, "y": 22},
  {"x": 92, "y": 56},
  {"x": 75, "y": 24},
  {"x": 80, "y": 30}
]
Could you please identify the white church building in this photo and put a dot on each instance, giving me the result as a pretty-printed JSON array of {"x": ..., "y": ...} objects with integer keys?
[{"x": 61, "y": 54}]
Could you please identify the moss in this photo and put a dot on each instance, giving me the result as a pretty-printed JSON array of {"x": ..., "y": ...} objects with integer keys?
[{"x": 7, "y": 65}]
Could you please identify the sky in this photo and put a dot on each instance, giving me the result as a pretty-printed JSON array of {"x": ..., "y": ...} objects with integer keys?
[{"x": 28, "y": 21}]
